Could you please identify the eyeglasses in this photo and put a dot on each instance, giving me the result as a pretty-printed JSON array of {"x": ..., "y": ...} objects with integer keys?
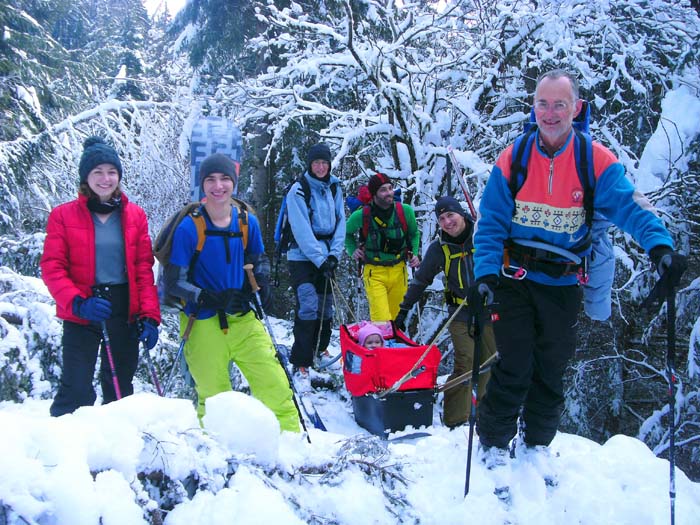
[{"x": 558, "y": 107}]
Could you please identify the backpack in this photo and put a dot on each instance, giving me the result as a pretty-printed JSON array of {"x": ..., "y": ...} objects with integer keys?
[
  {"x": 600, "y": 266},
  {"x": 284, "y": 237},
  {"x": 162, "y": 246},
  {"x": 367, "y": 219},
  {"x": 363, "y": 197}
]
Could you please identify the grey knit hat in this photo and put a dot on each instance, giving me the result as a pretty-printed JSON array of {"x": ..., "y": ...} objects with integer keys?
[
  {"x": 95, "y": 152},
  {"x": 218, "y": 163}
]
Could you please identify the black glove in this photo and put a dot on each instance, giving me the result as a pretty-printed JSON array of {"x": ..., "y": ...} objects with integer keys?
[
  {"x": 669, "y": 263},
  {"x": 400, "y": 321},
  {"x": 239, "y": 300},
  {"x": 481, "y": 292},
  {"x": 92, "y": 309},
  {"x": 329, "y": 265},
  {"x": 214, "y": 300},
  {"x": 148, "y": 331}
]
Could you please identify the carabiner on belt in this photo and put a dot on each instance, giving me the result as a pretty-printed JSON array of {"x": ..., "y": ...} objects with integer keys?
[{"x": 514, "y": 272}]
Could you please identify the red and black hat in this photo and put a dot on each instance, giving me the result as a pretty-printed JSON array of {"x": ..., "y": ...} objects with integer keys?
[{"x": 376, "y": 181}]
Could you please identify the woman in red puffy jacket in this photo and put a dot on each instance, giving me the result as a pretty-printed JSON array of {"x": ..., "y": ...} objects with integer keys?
[{"x": 97, "y": 264}]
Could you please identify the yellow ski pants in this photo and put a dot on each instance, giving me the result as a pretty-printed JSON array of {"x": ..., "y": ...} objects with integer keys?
[{"x": 385, "y": 287}]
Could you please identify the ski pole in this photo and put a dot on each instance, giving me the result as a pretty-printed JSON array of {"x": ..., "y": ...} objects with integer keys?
[
  {"x": 98, "y": 292},
  {"x": 152, "y": 369},
  {"x": 258, "y": 306},
  {"x": 110, "y": 358},
  {"x": 664, "y": 289},
  {"x": 475, "y": 391},
  {"x": 359, "y": 291},
  {"x": 185, "y": 337},
  {"x": 672, "y": 382},
  {"x": 463, "y": 184},
  {"x": 320, "y": 326}
]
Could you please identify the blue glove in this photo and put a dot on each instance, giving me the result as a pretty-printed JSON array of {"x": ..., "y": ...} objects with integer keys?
[
  {"x": 92, "y": 309},
  {"x": 669, "y": 263},
  {"x": 148, "y": 332}
]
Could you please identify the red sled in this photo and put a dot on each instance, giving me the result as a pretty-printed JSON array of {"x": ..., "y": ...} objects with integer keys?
[{"x": 372, "y": 371}]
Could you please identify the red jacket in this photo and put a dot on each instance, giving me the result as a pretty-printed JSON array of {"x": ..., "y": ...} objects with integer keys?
[{"x": 68, "y": 261}]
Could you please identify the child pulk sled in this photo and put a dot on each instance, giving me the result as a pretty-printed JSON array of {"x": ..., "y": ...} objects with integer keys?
[{"x": 391, "y": 386}]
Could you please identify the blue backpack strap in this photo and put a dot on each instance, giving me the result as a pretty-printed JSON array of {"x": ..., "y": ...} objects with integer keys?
[
  {"x": 583, "y": 119},
  {"x": 583, "y": 152},
  {"x": 519, "y": 159}
]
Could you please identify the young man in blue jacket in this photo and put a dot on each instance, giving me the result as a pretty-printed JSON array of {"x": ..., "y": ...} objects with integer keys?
[
  {"x": 319, "y": 236},
  {"x": 526, "y": 248},
  {"x": 216, "y": 290}
]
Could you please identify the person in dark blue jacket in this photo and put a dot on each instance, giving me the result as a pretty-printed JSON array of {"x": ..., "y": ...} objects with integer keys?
[
  {"x": 525, "y": 265},
  {"x": 319, "y": 240}
]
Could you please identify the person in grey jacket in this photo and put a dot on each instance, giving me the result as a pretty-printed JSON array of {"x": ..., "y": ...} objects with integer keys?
[
  {"x": 319, "y": 236},
  {"x": 451, "y": 254}
]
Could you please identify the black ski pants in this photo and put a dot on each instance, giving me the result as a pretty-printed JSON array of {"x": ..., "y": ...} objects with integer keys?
[
  {"x": 535, "y": 328},
  {"x": 80, "y": 346}
]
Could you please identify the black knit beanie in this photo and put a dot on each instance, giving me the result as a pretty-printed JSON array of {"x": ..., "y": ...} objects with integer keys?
[
  {"x": 319, "y": 151},
  {"x": 448, "y": 203},
  {"x": 95, "y": 152},
  {"x": 218, "y": 163}
]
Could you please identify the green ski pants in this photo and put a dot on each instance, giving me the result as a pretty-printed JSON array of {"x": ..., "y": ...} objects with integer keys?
[{"x": 209, "y": 351}]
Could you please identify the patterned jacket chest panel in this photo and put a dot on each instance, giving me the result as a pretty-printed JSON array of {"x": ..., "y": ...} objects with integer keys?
[{"x": 552, "y": 195}]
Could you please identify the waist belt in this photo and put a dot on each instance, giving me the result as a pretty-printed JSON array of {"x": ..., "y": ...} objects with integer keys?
[
  {"x": 317, "y": 236},
  {"x": 379, "y": 262},
  {"x": 520, "y": 259}
]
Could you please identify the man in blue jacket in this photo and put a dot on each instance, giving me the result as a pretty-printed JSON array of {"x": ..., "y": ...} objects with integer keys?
[
  {"x": 319, "y": 236},
  {"x": 525, "y": 265},
  {"x": 217, "y": 292}
]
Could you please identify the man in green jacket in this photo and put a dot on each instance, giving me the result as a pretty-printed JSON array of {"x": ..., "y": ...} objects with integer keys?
[{"x": 384, "y": 236}]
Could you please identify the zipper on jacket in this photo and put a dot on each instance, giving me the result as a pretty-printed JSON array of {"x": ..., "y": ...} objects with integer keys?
[{"x": 551, "y": 174}]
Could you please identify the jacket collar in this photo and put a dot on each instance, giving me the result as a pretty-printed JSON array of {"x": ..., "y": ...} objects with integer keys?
[{"x": 314, "y": 182}]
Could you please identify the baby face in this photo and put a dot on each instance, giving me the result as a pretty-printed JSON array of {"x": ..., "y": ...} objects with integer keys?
[{"x": 373, "y": 341}]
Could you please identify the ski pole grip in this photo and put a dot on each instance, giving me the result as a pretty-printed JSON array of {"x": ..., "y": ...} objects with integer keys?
[
  {"x": 251, "y": 277},
  {"x": 188, "y": 328}
]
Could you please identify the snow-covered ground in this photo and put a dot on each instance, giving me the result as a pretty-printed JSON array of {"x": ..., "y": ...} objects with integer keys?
[{"x": 106, "y": 464}]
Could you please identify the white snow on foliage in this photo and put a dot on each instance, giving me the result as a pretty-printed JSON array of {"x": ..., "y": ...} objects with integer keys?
[{"x": 678, "y": 127}]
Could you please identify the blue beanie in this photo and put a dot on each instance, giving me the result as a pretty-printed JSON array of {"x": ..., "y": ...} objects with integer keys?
[
  {"x": 319, "y": 151},
  {"x": 95, "y": 152}
]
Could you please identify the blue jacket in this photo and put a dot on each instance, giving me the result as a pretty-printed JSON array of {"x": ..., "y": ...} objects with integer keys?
[
  {"x": 549, "y": 207},
  {"x": 328, "y": 218},
  {"x": 217, "y": 267}
]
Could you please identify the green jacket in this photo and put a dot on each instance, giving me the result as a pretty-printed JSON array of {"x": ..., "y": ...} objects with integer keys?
[{"x": 385, "y": 244}]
